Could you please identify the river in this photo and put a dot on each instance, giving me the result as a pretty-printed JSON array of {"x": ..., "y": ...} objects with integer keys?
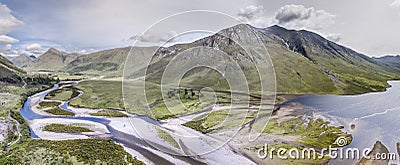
[{"x": 120, "y": 131}]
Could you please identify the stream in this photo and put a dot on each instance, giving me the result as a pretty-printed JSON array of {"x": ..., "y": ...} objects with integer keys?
[{"x": 123, "y": 132}]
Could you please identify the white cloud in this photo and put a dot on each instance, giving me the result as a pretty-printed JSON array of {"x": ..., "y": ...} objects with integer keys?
[
  {"x": 8, "y": 51},
  {"x": 299, "y": 17},
  {"x": 34, "y": 46},
  {"x": 7, "y": 23},
  {"x": 7, "y": 40},
  {"x": 333, "y": 37},
  {"x": 85, "y": 51},
  {"x": 253, "y": 15},
  {"x": 150, "y": 37},
  {"x": 395, "y": 3},
  {"x": 251, "y": 12}
]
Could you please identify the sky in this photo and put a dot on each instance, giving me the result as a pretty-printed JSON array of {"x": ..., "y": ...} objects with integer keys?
[{"x": 31, "y": 27}]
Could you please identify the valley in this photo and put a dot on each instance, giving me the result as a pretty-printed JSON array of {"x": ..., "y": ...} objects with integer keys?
[{"x": 77, "y": 108}]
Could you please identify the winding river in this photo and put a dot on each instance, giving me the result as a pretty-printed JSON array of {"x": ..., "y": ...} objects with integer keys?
[{"x": 120, "y": 130}]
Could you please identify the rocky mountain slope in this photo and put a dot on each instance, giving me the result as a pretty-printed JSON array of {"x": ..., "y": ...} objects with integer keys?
[
  {"x": 350, "y": 71},
  {"x": 304, "y": 61}
]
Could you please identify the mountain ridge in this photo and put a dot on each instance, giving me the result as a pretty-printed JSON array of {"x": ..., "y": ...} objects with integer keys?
[
  {"x": 305, "y": 62},
  {"x": 51, "y": 60},
  {"x": 389, "y": 61},
  {"x": 22, "y": 60},
  {"x": 326, "y": 67}
]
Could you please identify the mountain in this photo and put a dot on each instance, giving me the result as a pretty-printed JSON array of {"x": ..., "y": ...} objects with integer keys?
[
  {"x": 23, "y": 60},
  {"x": 107, "y": 60},
  {"x": 51, "y": 60},
  {"x": 390, "y": 61},
  {"x": 304, "y": 61},
  {"x": 350, "y": 71},
  {"x": 9, "y": 74}
]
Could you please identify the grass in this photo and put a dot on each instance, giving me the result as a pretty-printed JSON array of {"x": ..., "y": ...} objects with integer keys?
[
  {"x": 33, "y": 151},
  {"x": 60, "y": 112},
  {"x": 298, "y": 75},
  {"x": 82, "y": 151},
  {"x": 99, "y": 94},
  {"x": 316, "y": 133},
  {"x": 109, "y": 113},
  {"x": 9, "y": 101},
  {"x": 167, "y": 137},
  {"x": 48, "y": 104},
  {"x": 107, "y": 94},
  {"x": 222, "y": 119},
  {"x": 189, "y": 103},
  {"x": 60, "y": 94},
  {"x": 205, "y": 123},
  {"x": 62, "y": 128},
  {"x": 68, "y": 76}
]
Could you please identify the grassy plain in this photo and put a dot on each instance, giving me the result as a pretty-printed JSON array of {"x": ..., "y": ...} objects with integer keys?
[
  {"x": 100, "y": 94},
  {"x": 63, "y": 94}
]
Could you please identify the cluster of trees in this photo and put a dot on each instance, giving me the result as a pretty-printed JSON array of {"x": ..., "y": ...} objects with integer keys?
[{"x": 184, "y": 93}]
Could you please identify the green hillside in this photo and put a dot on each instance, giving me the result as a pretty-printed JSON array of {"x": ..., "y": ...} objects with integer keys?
[
  {"x": 350, "y": 72},
  {"x": 9, "y": 74},
  {"x": 103, "y": 61},
  {"x": 304, "y": 62}
]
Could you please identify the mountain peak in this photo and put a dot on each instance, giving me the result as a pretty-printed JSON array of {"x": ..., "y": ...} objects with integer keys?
[
  {"x": 53, "y": 50},
  {"x": 22, "y": 60},
  {"x": 276, "y": 27}
]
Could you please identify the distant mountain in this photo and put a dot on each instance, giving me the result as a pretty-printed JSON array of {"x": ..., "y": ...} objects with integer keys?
[
  {"x": 51, "y": 60},
  {"x": 304, "y": 61},
  {"x": 390, "y": 61},
  {"x": 106, "y": 62},
  {"x": 23, "y": 60}
]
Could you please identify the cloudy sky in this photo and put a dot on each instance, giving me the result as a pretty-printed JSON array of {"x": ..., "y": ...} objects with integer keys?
[{"x": 368, "y": 26}]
